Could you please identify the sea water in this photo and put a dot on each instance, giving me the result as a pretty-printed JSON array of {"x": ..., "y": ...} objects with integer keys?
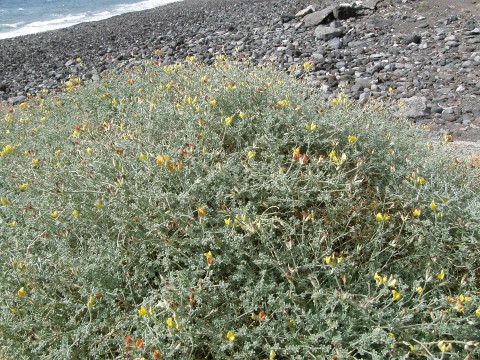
[{"x": 22, "y": 17}]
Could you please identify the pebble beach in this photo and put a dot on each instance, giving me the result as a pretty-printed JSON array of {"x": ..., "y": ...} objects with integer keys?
[{"x": 423, "y": 54}]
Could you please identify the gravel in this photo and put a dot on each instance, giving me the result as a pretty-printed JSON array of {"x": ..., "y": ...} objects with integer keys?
[{"x": 428, "y": 52}]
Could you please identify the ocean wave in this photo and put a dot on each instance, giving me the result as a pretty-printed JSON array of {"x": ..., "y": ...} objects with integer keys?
[
  {"x": 73, "y": 19},
  {"x": 14, "y": 25},
  {"x": 142, "y": 5}
]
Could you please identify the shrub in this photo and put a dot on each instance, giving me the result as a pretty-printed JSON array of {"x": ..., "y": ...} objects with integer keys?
[{"x": 228, "y": 212}]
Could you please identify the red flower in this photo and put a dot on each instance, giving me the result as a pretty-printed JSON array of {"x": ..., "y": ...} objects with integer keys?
[{"x": 128, "y": 339}]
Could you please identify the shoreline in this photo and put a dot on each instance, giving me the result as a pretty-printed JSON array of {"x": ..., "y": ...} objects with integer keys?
[
  {"x": 371, "y": 52},
  {"x": 73, "y": 19}
]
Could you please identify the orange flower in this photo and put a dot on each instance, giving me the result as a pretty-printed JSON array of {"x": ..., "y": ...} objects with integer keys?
[
  {"x": 128, "y": 339},
  {"x": 209, "y": 257},
  {"x": 262, "y": 315},
  {"x": 139, "y": 343},
  {"x": 201, "y": 211}
]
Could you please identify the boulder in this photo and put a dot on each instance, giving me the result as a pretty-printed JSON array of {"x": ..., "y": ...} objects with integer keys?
[
  {"x": 319, "y": 17},
  {"x": 413, "y": 107},
  {"x": 326, "y": 32},
  {"x": 308, "y": 10},
  {"x": 413, "y": 38},
  {"x": 17, "y": 99}
]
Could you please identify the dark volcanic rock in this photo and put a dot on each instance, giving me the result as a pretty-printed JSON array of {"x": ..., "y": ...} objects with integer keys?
[{"x": 414, "y": 38}]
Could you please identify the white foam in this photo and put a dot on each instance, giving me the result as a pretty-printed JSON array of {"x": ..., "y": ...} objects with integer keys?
[
  {"x": 74, "y": 19},
  {"x": 15, "y": 25}
]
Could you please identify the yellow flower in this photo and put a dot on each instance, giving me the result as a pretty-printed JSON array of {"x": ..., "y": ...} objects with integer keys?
[
  {"x": 76, "y": 133},
  {"x": 170, "y": 322},
  {"x": 433, "y": 206},
  {"x": 379, "y": 217},
  {"x": 35, "y": 162},
  {"x": 333, "y": 156},
  {"x": 54, "y": 214},
  {"x": 334, "y": 102},
  {"x": 57, "y": 153},
  {"x": 21, "y": 292},
  {"x": 230, "y": 335},
  {"x": 379, "y": 278},
  {"x": 386, "y": 217},
  {"x": 444, "y": 346},
  {"x": 296, "y": 151},
  {"x": 352, "y": 139},
  {"x": 142, "y": 157},
  {"x": 201, "y": 211},
  {"x": 208, "y": 255},
  {"x": 272, "y": 355},
  {"x": 416, "y": 212},
  {"x": 76, "y": 213},
  {"x": 213, "y": 103},
  {"x": 307, "y": 65},
  {"x": 311, "y": 126},
  {"x": 420, "y": 290},
  {"x": 332, "y": 260},
  {"x": 420, "y": 180},
  {"x": 23, "y": 187},
  {"x": 229, "y": 120},
  {"x": 88, "y": 150},
  {"x": 114, "y": 102},
  {"x": 396, "y": 295},
  {"x": 6, "y": 149},
  {"x": 5, "y": 201},
  {"x": 12, "y": 223},
  {"x": 251, "y": 154},
  {"x": 143, "y": 311},
  {"x": 242, "y": 115},
  {"x": 441, "y": 275},
  {"x": 477, "y": 312},
  {"x": 98, "y": 204},
  {"x": 162, "y": 160},
  {"x": 90, "y": 302}
]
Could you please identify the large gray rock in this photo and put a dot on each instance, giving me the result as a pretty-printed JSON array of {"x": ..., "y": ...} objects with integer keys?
[
  {"x": 17, "y": 99},
  {"x": 413, "y": 107},
  {"x": 326, "y": 32},
  {"x": 366, "y": 4},
  {"x": 308, "y": 10},
  {"x": 319, "y": 17}
]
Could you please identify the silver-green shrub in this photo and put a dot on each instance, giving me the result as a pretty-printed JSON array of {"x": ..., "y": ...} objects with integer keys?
[{"x": 228, "y": 212}]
